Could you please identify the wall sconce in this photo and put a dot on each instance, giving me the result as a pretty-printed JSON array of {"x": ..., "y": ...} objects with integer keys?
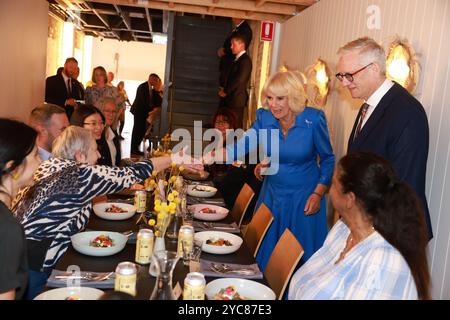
[
  {"x": 402, "y": 65},
  {"x": 318, "y": 80}
]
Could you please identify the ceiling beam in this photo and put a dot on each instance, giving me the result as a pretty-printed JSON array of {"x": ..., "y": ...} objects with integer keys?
[
  {"x": 126, "y": 20},
  {"x": 102, "y": 18},
  {"x": 149, "y": 20},
  {"x": 237, "y": 13},
  {"x": 244, "y": 5}
]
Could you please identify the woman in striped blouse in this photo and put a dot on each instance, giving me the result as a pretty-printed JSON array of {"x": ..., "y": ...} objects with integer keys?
[
  {"x": 59, "y": 203},
  {"x": 378, "y": 248}
]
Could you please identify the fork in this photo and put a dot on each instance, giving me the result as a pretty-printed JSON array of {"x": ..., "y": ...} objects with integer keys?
[
  {"x": 87, "y": 276},
  {"x": 210, "y": 225},
  {"x": 223, "y": 268}
]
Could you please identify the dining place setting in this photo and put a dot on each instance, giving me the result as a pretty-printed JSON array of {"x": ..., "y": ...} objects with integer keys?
[{"x": 110, "y": 238}]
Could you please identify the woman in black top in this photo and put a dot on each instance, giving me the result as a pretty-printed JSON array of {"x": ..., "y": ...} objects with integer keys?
[
  {"x": 19, "y": 158},
  {"x": 91, "y": 118}
]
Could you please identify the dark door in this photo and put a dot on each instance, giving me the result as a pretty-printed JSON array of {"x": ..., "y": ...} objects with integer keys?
[{"x": 194, "y": 71}]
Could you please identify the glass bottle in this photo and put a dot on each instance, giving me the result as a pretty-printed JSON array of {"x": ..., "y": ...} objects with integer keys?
[{"x": 165, "y": 263}]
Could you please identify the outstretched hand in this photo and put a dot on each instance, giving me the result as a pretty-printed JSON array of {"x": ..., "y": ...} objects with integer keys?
[{"x": 189, "y": 163}]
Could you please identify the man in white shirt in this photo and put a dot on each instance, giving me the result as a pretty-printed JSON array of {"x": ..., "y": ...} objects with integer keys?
[
  {"x": 49, "y": 121},
  {"x": 391, "y": 122}
]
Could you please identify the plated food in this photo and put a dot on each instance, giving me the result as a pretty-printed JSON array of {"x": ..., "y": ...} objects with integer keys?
[
  {"x": 208, "y": 212},
  {"x": 219, "y": 242},
  {"x": 71, "y": 293},
  {"x": 238, "y": 289},
  {"x": 200, "y": 190},
  {"x": 102, "y": 241},
  {"x": 229, "y": 293},
  {"x": 99, "y": 243},
  {"x": 114, "y": 210}
]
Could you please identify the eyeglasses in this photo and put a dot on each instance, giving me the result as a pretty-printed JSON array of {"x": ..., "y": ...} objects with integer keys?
[
  {"x": 349, "y": 76},
  {"x": 95, "y": 124}
]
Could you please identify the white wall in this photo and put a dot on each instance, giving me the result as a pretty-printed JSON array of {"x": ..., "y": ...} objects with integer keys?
[
  {"x": 136, "y": 60},
  {"x": 22, "y": 56},
  {"x": 320, "y": 30}
]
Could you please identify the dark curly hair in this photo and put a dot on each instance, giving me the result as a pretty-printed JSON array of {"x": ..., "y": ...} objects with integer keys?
[{"x": 393, "y": 207}]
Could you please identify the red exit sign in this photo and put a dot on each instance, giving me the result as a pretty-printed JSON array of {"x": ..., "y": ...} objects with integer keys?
[{"x": 267, "y": 29}]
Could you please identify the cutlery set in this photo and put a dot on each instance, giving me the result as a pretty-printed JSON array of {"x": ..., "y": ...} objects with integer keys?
[{"x": 88, "y": 276}]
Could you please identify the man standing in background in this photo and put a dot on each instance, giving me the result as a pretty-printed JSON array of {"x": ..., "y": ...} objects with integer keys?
[
  {"x": 146, "y": 105},
  {"x": 234, "y": 94},
  {"x": 63, "y": 90}
]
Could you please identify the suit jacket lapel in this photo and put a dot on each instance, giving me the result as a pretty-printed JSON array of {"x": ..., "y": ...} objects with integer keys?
[{"x": 375, "y": 117}]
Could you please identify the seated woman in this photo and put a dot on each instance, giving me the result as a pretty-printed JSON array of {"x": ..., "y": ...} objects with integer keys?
[
  {"x": 113, "y": 152},
  {"x": 378, "y": 248},
  {"x": 91, "y": 118},
  {"x": 60, "y": 202},
  {"x": 230, "y": 178},
  {"x": 19, "y": 158}
]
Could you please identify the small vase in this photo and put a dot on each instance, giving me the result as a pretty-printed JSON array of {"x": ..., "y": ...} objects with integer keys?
[
  {"x": 160, "y": 245},
  {"x": 165, "y": 264},
  {"x": 175, "y": 223}
]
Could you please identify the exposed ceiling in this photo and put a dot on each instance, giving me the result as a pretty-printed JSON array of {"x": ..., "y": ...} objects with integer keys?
[{"x": 140, "y": 20}]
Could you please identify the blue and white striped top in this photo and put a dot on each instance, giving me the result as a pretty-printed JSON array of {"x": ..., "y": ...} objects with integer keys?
[
  {"x": 372, "y": 270},
  {"x": 59, "y": 203}
]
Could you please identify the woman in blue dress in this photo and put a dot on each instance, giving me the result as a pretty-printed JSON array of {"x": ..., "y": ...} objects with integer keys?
[{"x": 305, "y": 162}]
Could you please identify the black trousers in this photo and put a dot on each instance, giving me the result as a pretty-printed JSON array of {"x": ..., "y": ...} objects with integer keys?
[{"x": 139, "y": 128}]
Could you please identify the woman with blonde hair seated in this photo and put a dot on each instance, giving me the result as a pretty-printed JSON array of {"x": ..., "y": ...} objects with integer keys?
[
  {"x": 59, "y": 203},
  {"x": 378, "y": 248}
]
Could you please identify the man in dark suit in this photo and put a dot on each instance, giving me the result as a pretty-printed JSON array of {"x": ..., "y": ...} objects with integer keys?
[
  {"x": 225, "y": 54},
  {"x": 234, "y": 94},
  {"x": 391, "y": 122},
  {"x": 62, "y": 89},
  {"x": 146, "y": 107}
]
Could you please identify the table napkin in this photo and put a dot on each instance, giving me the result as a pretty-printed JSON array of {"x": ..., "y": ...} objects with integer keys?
[
  {"x": 57, "y": 283},
  {"x": 196, "y": 200},
  {"x": 205, "y": 268},
  {"x": 199, "y": 226}
]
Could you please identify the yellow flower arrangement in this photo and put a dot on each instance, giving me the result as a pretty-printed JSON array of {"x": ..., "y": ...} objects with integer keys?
[{"x": 167, "y": 198}]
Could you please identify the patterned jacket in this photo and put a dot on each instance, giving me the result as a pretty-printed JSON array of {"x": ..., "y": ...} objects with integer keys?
[{"x": 59, "y": 203}]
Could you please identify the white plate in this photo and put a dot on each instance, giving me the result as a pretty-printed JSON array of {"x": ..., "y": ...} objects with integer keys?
[
  {"x": 100, "y": 210},
  {"x": 220, "y": 213},
  {"x": 81, "y": 293},
  {"x": 200, "y": 190},
  {"x": 81, "y": 242},
  {"x": 246, "y": 288},
  {"x": 205, "y": 235}
]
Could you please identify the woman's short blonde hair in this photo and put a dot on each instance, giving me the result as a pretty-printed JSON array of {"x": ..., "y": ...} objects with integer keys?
[
  {"x": 286, "y": 84},
  {"x": 71, "y": 140}
]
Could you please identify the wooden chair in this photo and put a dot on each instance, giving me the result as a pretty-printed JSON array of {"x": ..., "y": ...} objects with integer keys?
[
  {"x": 282, "y": 262},
  {"x": 241, "y": 204},
  {"x": 257, "y": 228}
]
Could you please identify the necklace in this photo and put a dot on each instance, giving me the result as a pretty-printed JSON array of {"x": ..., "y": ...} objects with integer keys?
[
  {"x": 350, "y": 244},
  {"x": 347, "y": 248}
]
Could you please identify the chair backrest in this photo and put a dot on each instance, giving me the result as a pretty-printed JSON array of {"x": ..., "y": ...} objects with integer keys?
[
  {"x": 282, "y": 262},
  {"x": 241, "y": 204},
  {"x": 257, "y": 228}
]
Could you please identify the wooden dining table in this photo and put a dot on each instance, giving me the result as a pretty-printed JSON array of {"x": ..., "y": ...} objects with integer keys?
[{"x": 145, "y": 282}]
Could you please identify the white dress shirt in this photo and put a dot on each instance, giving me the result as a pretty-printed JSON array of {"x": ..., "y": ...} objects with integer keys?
[
  {"x": 376, "y": 97},
  {"x": 112, "y": 148}
]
